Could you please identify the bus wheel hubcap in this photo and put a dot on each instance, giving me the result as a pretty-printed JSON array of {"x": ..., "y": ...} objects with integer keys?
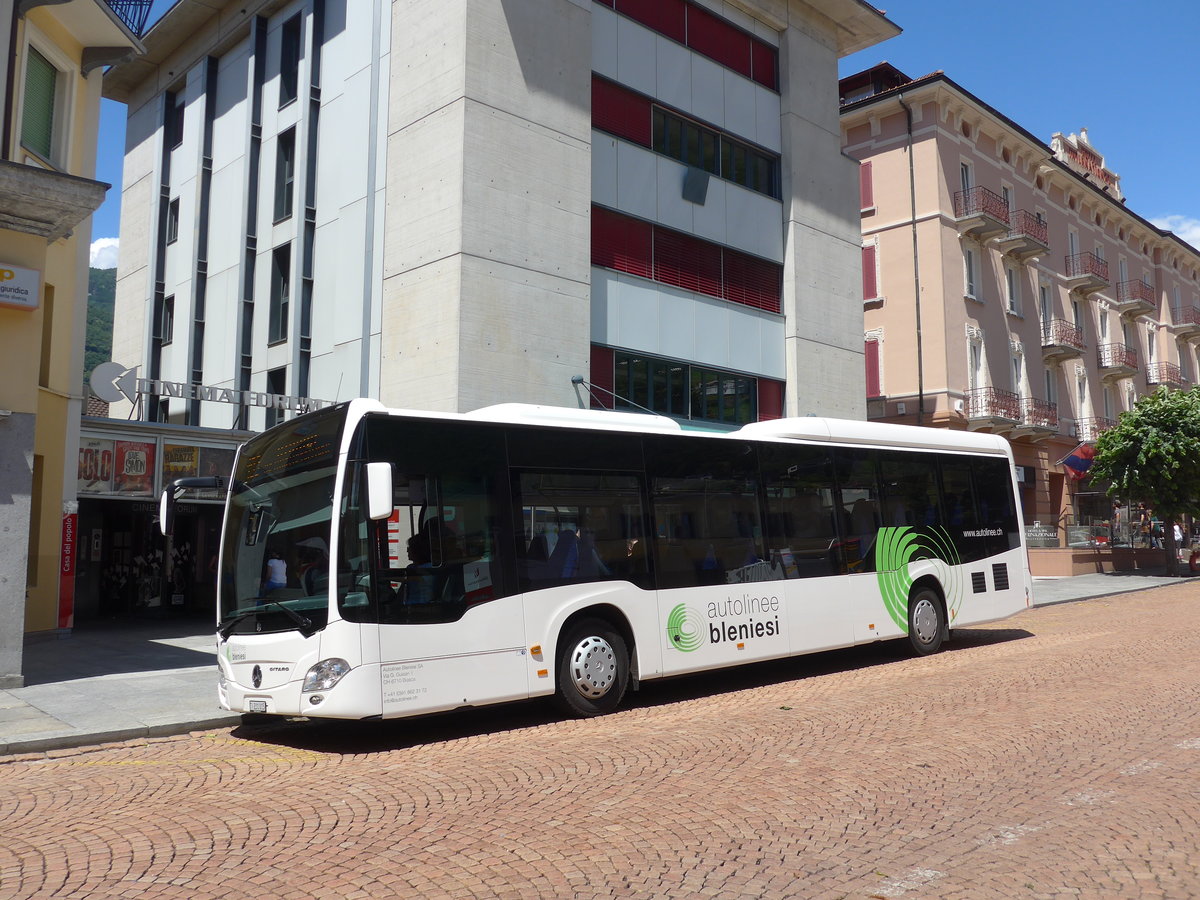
[
  {"x": 593, "y": 667},
  {"x": 925, "y": 621}
]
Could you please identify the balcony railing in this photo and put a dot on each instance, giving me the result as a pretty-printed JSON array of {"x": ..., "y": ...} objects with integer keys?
[
  {"x": 981, "y": 213},
  {"x": 1087, "y": 265},
  {"x": 133, "y": 13},
  {"x": 1090, "y": 429},
  {"x": 1135, "y": 290},
  {"x": 1028, "y": 236},
  {"x": 1040, "y": 414},
  {"x": 980, "y": 200},
  {"x": 1164, "y": 373},
  {"x": 1135, "y": 297},
  {"x": 1061, "y": 339},
  {"x": 993, "y": 403},
  {"x": 1118, "y": 356},
  {"x": 1186, "y": 320}
]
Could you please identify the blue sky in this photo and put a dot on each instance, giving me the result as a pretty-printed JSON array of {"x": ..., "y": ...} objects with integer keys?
[{"x": 1127, "y": 72}]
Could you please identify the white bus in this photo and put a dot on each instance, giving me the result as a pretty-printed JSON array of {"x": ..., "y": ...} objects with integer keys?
[{"x": 382, "y": 563}]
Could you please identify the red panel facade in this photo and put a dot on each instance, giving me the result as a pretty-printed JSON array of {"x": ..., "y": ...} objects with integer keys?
[
  {"x": 870, "y": 276},
  {"x": 602, "y": 377}
]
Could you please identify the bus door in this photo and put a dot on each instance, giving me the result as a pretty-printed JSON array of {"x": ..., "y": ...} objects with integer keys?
[
  {"x": 804, "y": 544},
  {"x": 859, "y": 510},
  {"x": 450, "y": 626}
]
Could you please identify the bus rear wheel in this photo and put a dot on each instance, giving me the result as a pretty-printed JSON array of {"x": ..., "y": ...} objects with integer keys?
[
  {"x": 593, "y": 669},
  {"x": 926, "y": 621}
]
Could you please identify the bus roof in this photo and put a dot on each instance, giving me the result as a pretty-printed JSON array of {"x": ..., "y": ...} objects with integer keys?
[
  {"x": 849, "y": 431},
  {"x": 808, "y": 428}
]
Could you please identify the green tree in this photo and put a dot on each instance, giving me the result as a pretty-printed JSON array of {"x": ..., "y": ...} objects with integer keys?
[{"x": 1153, "y": 454}]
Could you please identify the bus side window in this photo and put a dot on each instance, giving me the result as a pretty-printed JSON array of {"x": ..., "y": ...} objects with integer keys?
[
  {"x": 910, "y": 490},
  {"x": 997, "y": 507},
  {"x": 579, "y": 526},
  {"x": 859, "y": 501},
  {"x": 801, "y": 522},
  {"x": 707, "y": 515}
]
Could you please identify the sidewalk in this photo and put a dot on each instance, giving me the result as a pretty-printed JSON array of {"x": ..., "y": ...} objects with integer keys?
[{"x": 116, "y": 682}]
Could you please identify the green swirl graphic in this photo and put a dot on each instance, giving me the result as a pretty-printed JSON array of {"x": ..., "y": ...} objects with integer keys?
[
  {"x": 895, "y": 548},
  {"x": 685, "y": 628}
]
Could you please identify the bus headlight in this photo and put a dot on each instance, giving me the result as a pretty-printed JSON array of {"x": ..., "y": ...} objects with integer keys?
[{"x": 325, "y": 674}]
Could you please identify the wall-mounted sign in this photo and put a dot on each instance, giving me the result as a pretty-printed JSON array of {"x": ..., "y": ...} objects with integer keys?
[
  {"x": 112, "y": 382},
  {"x": 20, "y": 288}
]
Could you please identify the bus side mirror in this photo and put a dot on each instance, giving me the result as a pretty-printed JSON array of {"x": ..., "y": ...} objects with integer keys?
[
  {"x": 166, "y": 510},
  {"x": 379, "y": 490}
]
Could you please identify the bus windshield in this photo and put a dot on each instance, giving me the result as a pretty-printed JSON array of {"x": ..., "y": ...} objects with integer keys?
[{"x": 275, "y": 557}]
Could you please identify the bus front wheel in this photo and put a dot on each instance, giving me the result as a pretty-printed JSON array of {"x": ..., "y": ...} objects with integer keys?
[
  {"x": 926, "y": 621},
  {"x": 593, "y": 669}
]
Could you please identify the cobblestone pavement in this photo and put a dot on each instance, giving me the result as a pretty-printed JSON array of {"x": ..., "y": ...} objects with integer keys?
[{"x": 1056, "y": 754}]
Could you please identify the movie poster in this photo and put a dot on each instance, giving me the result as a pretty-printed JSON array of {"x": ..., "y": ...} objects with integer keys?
[
  {"x": 134, "y": 470},
  {"x": 95, "y": 473},
  {"x": 179, "y": 461}
]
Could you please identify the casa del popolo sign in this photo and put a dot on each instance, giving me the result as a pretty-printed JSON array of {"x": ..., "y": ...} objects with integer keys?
[{"x": 112, "y": 383}]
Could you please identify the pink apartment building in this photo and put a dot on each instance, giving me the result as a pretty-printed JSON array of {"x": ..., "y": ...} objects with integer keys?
[{"x": 1009, "y": 288}]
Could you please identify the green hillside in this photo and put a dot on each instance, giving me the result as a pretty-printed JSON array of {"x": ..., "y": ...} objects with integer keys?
[{"x": 97, "y": 348}]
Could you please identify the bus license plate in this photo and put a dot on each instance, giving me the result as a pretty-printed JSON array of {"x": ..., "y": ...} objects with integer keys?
[{"x": 259, "y": 706}]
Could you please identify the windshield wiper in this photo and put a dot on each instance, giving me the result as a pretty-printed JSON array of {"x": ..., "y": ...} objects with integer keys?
[{"x": 302, "y": 622}]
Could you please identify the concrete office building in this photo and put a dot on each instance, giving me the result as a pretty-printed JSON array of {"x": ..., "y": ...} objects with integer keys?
[
  {"x": 1011, "y": 287},
  {"x": 450, "y": 204},
  {"x": 50, "y": 99}
]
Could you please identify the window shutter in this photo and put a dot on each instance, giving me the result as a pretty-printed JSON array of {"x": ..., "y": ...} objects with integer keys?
[
  {"x": 664, "y": 16},
  {"x": 770, "y": 399},
  {"x": 765, "y": 62},
  {"x": 718, "y": 40},
  {"x": 620, "y": 111},
  {"x": 621, "y": 243},
  {"x": 866, "y": 187},
  {"x": 870, "y": 280},
  {"x": 752, "y": 281},
  {"x": 37, "y": 119},
  {"x": 871, "y": 349},
  {"x": 687, "y": 262}
]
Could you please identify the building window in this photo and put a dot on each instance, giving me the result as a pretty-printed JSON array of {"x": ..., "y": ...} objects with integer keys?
[
  {"x": 684, "y": 391},
  {"x": 173, "y": 221},
  {"x": 969, "y": 273},
  {"x": 39, "y": 106},
  {"x": 289, "y": 60},
  {"x": 276, "y": 384},
  {"x": 285, "y": 173},
  {"x": 1013, "y": 280},
  {"x": 174, "y": 122},
  {"x": 705, "y": 148},
  {"x": 281, "y": 282},
  {"x": 166, "y": 321}
]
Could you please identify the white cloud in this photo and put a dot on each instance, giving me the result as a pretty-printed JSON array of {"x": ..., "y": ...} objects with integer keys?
[
  {"x": 1185, "y": 227},
  {"x": 104, "y": 253}
]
